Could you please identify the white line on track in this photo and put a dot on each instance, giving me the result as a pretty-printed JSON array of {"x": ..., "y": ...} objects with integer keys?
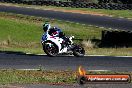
[
  {"x": 99, "y": 70},
  {"x": 29, "y": 69},
  {"x": 39, "y": 69},
  {"x": 88, "y": 55},
  {"x": 106, "y": 56}
]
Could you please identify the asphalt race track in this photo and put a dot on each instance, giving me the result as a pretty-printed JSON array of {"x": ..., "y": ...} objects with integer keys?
[
  {"x": 72, "y": 86},
  {"x": 18, "y": 60},
  {"x": 102, "y": 21},
  {"x": 67, "y": 62},
  {"x": 23, "y": 61}
]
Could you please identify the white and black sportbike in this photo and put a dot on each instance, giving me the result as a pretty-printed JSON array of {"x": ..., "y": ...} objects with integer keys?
[{"x": 54, "y": 46}]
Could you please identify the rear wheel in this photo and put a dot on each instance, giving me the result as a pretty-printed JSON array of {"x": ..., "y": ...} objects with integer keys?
[
  {"x": 78, "y": 51},
  {"x": 50, "y": 48}
]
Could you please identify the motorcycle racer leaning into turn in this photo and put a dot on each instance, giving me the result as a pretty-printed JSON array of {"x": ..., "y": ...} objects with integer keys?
[
  {"x": 55, "y": 42},
  {"x": 56, "y": 32}
]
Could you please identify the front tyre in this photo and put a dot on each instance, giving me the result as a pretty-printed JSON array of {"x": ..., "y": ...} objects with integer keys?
[
  {"x": 50, "y": 48},
  {"x": 78, "y": 51}
]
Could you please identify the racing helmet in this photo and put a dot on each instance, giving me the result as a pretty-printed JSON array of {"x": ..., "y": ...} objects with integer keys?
[{"x": 46, "y": 26}]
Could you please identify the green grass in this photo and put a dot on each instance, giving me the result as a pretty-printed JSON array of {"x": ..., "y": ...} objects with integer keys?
[
  {"x": 10, "y": 76},
  {"x": 30, "y": 50},
  {"x": 94, "y": 51},
  {"x": 26, "y": 31},
  {"x": 22, "y": 33},
  {"x": 110, "y": 51},
  {"x": 34, "y": 76},
  {"x": 19, "y": 31},
  {"x": 114, "y": 13},
  {"x": 19, "y": 27}
]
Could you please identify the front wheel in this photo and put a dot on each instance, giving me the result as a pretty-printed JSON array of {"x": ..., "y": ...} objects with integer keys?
[
  {"x": 78, "y": 51},
  {"x": 50, "y": 49}
]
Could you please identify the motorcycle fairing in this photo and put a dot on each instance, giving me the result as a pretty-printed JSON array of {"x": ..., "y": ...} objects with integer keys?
[{"x": 58, "y": 41}]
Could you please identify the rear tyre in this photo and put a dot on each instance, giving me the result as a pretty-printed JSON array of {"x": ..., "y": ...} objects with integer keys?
[
  {"x": 78, "y": 51},
  {"x": 50, "y": 48}
]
